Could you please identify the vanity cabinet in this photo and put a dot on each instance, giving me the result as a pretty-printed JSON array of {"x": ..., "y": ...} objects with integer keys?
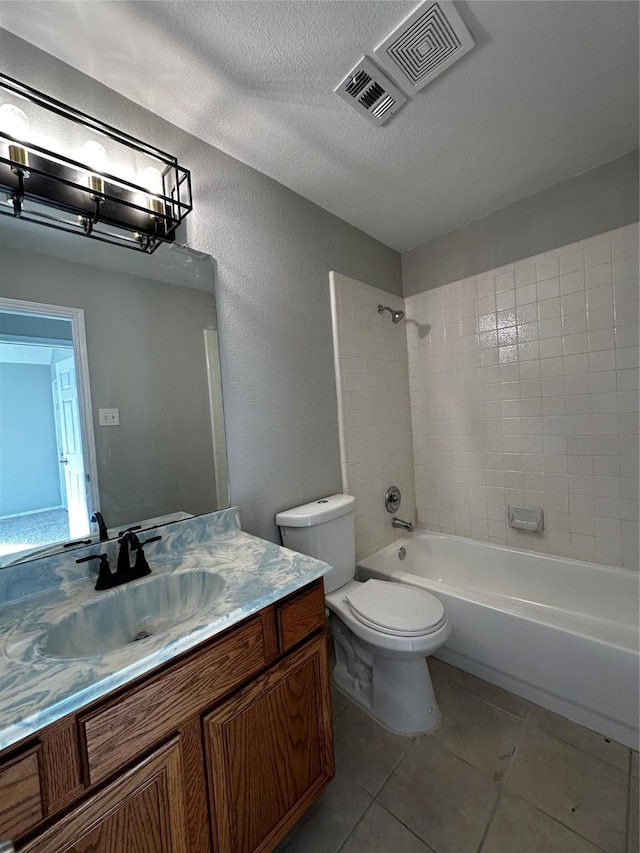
[
  {"x": 273, "y": 736},
  {"x": 220, "y": 750},
  {"x": 20, "y": 794},
  {"x": 142, "y": 811}
]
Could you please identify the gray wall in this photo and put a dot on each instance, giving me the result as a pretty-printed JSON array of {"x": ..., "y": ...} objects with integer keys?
[
  {"x": 274, "y": 251},
  {"x": 145, "y": 347},
  {"x": 29, "y": 477},
  {"x": 592, "y": 203}
]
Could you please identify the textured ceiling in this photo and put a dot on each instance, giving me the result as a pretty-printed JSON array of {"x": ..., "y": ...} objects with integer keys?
[{"x": 550, "y": 91}]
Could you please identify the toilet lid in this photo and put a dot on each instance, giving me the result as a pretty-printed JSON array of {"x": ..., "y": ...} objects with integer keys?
[{"x": 395, "y": 608}]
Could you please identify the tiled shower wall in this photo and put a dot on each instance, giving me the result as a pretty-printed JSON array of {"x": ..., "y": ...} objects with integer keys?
[
  {"x": 525, "y": 391},
  {"x": 372, "y": 378}
]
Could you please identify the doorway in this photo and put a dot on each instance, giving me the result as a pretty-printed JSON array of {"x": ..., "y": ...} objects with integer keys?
[{"x": 48, "y": 484}]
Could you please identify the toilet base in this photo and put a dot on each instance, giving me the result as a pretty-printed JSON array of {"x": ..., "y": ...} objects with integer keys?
[{"x": 395, "y": 691}]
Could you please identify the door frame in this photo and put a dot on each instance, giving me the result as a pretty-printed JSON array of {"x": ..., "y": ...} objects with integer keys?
[{"x": 76, "y": 316}]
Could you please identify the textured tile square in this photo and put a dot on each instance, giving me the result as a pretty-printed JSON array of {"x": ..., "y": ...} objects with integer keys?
[
  {"x": 338, "y": 700},
  {"x": 380, "y": 832},
  {"x": 491, "y": 693},
  {"x": 582, "y": 792},
  {"x": 442, "y": 676},
  {"x": 447, "y": 803},
  {"x": 330, "y": 820},
  {"x": 479, "y": 733},
  {"x": 365, "y": 751},
  {"x": 580, "y": 737},
  {"x": 518, "y": 827}
]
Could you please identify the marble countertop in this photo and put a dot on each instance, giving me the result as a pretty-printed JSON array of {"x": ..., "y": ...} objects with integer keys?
[{"x": 36, "y": 690}]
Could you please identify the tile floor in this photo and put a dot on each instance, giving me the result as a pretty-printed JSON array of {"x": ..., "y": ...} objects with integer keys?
[{"x": 500, "y": 775}]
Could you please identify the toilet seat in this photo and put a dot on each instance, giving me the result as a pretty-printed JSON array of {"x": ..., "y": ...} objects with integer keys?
[{"x": 395, "y": 609}]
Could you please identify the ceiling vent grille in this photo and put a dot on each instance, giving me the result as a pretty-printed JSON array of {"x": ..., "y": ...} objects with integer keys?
[
  {"x": 425, "y": 44},
  {"x": 370, "y": 92}
]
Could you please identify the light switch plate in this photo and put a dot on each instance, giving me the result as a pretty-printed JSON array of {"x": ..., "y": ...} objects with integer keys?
[{"x": 109, "y": 417}]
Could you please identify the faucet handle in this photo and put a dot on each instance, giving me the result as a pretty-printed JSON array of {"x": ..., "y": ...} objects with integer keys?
[
  {"x": 72, "y": 545},
  {"x": 105, "y": 578},
  {"x": 141, "y": 566},
  {"x": 130, "y": 529}
]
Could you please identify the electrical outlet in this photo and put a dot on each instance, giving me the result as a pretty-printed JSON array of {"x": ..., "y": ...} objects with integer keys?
[{"x": 109, "y": 417}]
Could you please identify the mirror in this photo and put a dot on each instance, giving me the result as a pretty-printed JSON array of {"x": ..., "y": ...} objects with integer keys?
[{"x": 136, "y": 336}]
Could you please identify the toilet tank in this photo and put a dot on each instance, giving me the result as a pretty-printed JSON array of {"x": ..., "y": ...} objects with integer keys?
[{"x": 323, "y": 529}]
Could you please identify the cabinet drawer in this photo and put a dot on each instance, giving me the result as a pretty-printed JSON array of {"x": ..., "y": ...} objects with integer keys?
[
  {"x": 128, "y": 726},
  {"x": 141, "y": 810},
  {"x": 300, "y": 616},
  {"x": 20, "y": 797}
]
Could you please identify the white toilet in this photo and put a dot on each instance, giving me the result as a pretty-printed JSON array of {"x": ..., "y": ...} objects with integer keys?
[{"x": 382, "y": 631}]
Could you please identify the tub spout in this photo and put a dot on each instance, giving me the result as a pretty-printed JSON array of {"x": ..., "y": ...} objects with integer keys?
[{"x": 400, "y": 524}]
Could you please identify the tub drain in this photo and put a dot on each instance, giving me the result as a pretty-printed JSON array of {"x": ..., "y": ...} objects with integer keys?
[{"x": 141, "y": 635}]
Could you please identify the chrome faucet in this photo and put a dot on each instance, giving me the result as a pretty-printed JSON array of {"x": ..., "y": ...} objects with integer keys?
[{"x": 400, "y": 524}]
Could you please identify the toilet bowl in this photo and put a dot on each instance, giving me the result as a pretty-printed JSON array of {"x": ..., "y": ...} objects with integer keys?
[
  {"x": 383, "y": 667},
  {"x": 382, "y": 631}
]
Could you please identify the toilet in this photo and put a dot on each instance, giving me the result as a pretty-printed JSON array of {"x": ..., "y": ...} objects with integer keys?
[{"x": 382, "y": 631}]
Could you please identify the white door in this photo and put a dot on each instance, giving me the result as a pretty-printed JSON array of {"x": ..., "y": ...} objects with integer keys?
[{"x": 71, "y": 458}]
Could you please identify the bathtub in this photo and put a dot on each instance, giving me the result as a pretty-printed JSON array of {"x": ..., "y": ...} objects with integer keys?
[{"x": 561, "y": 633}]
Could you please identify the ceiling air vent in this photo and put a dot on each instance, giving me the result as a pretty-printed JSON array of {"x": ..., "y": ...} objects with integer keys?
[
  {"x": 370, "y": 92},
  {"x": 425, "y": 44}
]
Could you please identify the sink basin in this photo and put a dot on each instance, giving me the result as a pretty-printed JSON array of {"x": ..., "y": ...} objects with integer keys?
[{"x": 131, "y": 613}]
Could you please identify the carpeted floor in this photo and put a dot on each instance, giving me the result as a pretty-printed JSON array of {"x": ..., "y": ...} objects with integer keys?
[{"x": 30, "y": 531}]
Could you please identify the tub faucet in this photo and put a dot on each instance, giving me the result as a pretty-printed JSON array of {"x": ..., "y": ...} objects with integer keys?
[{"x": 400, "y": 524}]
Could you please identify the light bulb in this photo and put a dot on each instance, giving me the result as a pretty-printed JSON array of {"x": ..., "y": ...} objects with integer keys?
[
  {"x": 15, "y": 122},
  {"x": 94, "y": 155},
  {"x": 152, "y": 180}
]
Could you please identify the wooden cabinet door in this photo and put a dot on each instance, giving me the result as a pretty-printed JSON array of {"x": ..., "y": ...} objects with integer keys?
[
  {"x": 141, "y": 812},
  {"x": 270, "y": 752}
]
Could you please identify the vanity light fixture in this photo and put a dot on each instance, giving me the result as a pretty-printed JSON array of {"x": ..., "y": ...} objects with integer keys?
[{"x": 63, "y": 169}]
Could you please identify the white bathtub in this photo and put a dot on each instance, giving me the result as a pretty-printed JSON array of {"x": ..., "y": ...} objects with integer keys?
[{"x": 559, "y": 632}]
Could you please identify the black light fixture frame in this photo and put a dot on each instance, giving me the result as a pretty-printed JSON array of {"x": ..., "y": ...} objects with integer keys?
[{"x": 121, "y": 212}]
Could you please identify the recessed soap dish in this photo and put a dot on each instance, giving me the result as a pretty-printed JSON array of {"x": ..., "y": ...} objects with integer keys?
[{"x": 530, "y": 518}]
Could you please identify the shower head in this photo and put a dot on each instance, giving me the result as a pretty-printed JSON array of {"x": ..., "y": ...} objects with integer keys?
[{"x": 396, "y": 316}]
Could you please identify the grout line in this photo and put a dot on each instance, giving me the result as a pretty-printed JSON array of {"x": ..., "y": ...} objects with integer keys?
[
  {"x": 503, "y": 781},
  {"x": 505, "y": 776},
  {"x": 492, "y": 704},
  {"x": 557, "y": 820},
  {"x": 355, "y": 826},
  {"x": 491, "y": 817},
  {"x": 528, "y": 726},
  {"x": 390, "y": 773},
  {"x": 334, "y": 716},
  {"x": 408, "y": 828}
]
